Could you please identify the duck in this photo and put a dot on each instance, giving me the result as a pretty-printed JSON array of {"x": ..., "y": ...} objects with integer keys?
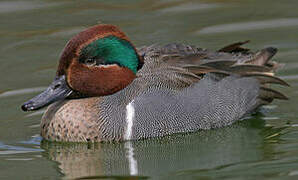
[{"x": 107, "y": 90}]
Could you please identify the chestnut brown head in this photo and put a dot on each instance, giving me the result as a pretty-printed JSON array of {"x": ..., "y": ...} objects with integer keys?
[{"x": 96, "y": 62}]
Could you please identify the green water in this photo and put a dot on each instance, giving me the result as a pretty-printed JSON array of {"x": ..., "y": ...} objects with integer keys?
[{"x": 33, "y": 33}]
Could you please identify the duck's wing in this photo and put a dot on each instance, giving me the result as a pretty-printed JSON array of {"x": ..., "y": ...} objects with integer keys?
[{"x": 180, "y": 65}]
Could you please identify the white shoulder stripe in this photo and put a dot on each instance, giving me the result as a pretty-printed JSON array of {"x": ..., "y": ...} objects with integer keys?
[{"x": 130, "y": 116}]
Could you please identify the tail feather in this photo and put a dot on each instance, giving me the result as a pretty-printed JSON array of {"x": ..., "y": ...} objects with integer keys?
[
  {"x": 262, "y": 57},
  {"x": 267, "y": 79},
  {"x": 259, "y": 66},
  {"x": 219, "y": 64},
  {"x": 268, "y": 93},
  {"x": 239, "y": 68},
  {"x": 235, "y": 48}
]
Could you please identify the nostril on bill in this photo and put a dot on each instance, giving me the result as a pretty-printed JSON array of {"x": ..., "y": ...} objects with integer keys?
[{"x": 57, "y": 86}]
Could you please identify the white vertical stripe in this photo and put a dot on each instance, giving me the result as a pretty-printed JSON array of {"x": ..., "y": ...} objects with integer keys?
[
  {"x": 130, "y": 115},
  {"x": 133, "y": 165}
]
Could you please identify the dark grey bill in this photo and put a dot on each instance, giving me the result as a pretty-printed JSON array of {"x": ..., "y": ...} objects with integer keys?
[{"x": 57, "y": 90}]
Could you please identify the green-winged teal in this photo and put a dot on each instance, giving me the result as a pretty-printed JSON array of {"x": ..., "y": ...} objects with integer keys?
[{"x": 107, "y": 90}]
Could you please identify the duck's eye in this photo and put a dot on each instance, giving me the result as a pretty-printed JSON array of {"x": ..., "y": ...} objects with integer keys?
[{"x": 90, "y": 61}]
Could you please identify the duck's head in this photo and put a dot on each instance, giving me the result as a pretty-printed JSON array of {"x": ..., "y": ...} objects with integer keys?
[{"x": 96, "y": 62}]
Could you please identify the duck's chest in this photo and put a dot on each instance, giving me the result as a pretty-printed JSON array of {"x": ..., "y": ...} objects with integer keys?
[{"x": 76, "y": 121}]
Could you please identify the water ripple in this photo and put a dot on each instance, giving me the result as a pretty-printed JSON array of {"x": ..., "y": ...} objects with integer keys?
[
  {"x": 67, "y": 32},
  {"x": 19, "y": 159},
  {"x": 289, "y": 77},
  {"x": 36, "y": 113},
  {"x": 8, "y": 149},
  {"x": 22, "y": 91},
  {"x": 35, "y": 140},
  {"x": 245, "y": 26},
  {"x": 189, "y": 7},
  {"x": 13, "y": 6}
]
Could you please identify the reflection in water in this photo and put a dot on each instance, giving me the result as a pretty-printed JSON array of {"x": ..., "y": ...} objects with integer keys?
[
  {"x": 133, "y": 165},
  {"x": 162, "y": 158}
]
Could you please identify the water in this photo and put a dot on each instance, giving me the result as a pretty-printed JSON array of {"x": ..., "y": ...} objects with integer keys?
[{"x": 33, "y": 33}]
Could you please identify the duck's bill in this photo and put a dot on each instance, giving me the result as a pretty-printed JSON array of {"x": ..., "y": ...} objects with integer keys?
[{"x": 57, "y": 90}]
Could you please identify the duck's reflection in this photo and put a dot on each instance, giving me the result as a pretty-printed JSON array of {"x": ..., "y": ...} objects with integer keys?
[{"x": 162, "y": 157}]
